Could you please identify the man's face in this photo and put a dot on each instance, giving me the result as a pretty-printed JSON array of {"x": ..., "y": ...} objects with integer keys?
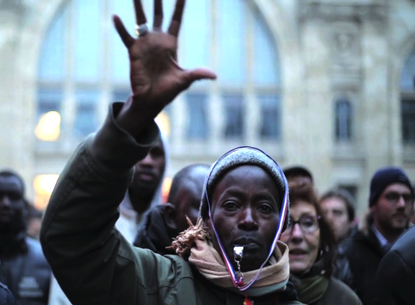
[
  {"x": 392, "y": 212},
  {"x": 245, "y": 212},
  {"x": 187, "y": 200},
  {"x": 336, "y": 213},
  {"x": 12, "y": 206},
  {"x": 149, "y": 171}
]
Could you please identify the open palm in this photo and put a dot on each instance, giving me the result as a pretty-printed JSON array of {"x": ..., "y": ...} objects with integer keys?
[{"x": 156, "y": 78}]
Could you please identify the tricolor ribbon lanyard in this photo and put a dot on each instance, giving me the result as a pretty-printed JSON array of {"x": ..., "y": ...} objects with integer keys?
[{"x": 237, "y": 277}]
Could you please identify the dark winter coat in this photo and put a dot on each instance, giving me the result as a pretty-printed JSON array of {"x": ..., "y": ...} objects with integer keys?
[
  {"x": 395, "y": 279},
  {"x": 6, "y": 297},
  {"x": 364, "y": 253}
]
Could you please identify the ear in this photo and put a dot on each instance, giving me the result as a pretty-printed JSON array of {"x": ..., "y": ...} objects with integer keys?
[{"x": 169, "y": 214}]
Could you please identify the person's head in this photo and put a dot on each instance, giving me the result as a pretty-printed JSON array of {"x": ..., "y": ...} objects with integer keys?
[
  {"x": 338, "y": 207},
  {"x": 244, "y": 203},
  {"x": 298, "y": 174},
  {"x": 149, "y": 173},
  {"x": 184, "y": 196},
  {"x": 391, "y": 199},
  {"x": 13, "y": 210},
  {"x": 308, "y": 236}
]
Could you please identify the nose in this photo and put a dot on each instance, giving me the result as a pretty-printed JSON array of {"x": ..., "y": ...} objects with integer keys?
[
  {"x": 248, "y": 221},
  {"x": 401, "y": 203},
  {"x": 147, "y": 161},
  {"x": 297, "y": 234},
  {"x": 5, "y": 201}
]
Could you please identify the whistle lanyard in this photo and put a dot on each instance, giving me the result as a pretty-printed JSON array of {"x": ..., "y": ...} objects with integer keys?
[{"x": 238, "y": 282}]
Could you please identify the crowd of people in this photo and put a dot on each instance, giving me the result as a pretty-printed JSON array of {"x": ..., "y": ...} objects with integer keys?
[{"x": 240, "y": 231}]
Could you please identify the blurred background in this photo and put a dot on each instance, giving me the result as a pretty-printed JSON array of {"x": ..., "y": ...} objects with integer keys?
[{"x": 328, "y": 84}]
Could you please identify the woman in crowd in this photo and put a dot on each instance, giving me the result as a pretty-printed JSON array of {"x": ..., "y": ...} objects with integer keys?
[{"x": 312, "y": 251}]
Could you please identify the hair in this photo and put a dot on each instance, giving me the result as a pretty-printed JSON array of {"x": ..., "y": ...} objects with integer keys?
[
  {"x": 10, "y": 173},
  {"x": 344, "y": 196},
  {"x": 183, "y": 175},
  {"x": 305, "y": 192}
]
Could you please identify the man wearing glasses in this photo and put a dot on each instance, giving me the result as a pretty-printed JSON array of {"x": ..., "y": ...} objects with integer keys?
[{"x": 391, "y": 205}]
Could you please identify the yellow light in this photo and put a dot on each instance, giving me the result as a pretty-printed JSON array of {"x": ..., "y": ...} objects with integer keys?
[
  {"x": 48, "y": 128},
  {"x": 44, "y": 185},
  {"x": 165, "y": 189},
  {"x": 163, "y": 121}
]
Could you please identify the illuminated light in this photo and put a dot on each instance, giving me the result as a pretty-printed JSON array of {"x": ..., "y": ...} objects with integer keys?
[
  {"x": 163, "y": 121},
  {"x": 49, "y": 126},
  {"x": 43, "y": 186},
  {"x": 165, "y": 189}
]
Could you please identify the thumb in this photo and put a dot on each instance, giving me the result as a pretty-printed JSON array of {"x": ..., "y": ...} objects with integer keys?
[{"x": 189, "y": 76}]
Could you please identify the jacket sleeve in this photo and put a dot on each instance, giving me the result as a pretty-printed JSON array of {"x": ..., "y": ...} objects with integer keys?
[{"x": 78, "y": 235}]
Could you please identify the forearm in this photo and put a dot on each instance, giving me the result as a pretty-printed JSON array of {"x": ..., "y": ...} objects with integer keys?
[{"x": 77, "y": 230}]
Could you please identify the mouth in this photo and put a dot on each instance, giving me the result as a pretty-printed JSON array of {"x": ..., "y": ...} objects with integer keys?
[
  {"x": 400, "y": 216},
  {"x": 146, "y": 176},
  {"x": 298, "y": 252},
  {"x": 245, "y": 242}
]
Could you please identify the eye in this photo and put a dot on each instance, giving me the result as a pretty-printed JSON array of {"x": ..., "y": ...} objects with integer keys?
[
  {"x": 265, "y": 208},
  {"x": 337, "y": 213},
  {"x": 307, "y": 222},
  {"x": 230, "y": 206}
]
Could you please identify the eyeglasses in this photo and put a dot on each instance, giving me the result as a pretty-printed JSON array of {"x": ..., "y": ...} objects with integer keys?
[
  {"x": 393, "y": 198},
  {"x": 307, "y": 223}
]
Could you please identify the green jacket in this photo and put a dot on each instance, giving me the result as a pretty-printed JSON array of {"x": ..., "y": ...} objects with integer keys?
[{"x": 91, "y": 260}]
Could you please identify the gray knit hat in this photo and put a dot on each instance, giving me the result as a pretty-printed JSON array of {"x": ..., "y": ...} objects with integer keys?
[{"x": 246, "y": 155}]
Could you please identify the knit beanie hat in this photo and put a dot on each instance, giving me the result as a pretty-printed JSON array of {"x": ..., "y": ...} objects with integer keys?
[
  {"x": 385, "y": 177},
  {"x": 245, "y": 155}
]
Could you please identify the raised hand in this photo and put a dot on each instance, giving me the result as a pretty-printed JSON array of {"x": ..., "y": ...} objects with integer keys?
[{"x": 156, "y": 78}]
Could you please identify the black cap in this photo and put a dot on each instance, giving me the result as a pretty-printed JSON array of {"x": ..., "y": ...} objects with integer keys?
[
  {"x": 297, "y": 171},
  {"x": 383, "y": 178}
]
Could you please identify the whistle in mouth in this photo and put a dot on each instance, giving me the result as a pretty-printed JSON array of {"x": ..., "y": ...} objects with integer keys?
[{"x": 238, "y": 252}]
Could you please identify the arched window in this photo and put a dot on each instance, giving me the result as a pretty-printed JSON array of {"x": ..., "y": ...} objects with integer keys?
[
  {"x": 344, "y": 119},
  {"x": 408, "y": 100},
  {"x": 84, "y": 66}
]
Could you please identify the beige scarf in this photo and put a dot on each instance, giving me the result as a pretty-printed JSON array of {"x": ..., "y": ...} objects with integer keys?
[{"x": 210, "y": 264}]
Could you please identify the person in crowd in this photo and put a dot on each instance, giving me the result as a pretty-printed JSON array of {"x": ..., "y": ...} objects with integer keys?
[
  {"x": 23, "y": 267},
  {"x": 34, "y": 221},
  {"x": 395, "y": 279},
  {"x": 6, "y": 297},
  {"x": 233, "y": 252},
  {"x": 145, "y": 190},
  {"x": 312, "y": 251},
  {"x": 166, "y": 221},
  {"x": 298, "y": 174},
  {"x": 391, "y": 204},
  {"x": 338, "y": 208}
]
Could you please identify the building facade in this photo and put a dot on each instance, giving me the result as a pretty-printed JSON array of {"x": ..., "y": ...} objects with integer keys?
[{"x": 328, "y": 84}]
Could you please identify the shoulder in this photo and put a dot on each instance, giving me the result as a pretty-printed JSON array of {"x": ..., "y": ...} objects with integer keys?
[
  {"x": 6, "y": 295},
  {"x": 340, "y": 293}
]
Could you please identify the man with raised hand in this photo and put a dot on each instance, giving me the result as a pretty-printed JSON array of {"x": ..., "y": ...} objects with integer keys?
[{"x": 233, "y": 255}]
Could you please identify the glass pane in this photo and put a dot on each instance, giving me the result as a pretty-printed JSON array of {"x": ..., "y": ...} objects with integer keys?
[
  {"x": 234, "y": 116},
  {"x": 270, "y": 110},
  {"x": 408, "y": 121},
  {"x": 87, "y": 39},
  {"x": 266, "y": 63},
  {"x": 53, "y": 54},
  {"x": 49, "y": 100},
  {"x": 119, "y": 55},
  {"x": 196, "y": 33},
  {"x": 343, "y": 120},
  {"x": 197, "y": 127},
  {"x": 231, "y": 32},
  {"x": 120, "y": 95},
  {"x": 408, "y": 73},
  {"x": 86, "y": 119}
]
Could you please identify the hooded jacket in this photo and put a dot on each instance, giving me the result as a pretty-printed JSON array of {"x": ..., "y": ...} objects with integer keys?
[{"x": 93, "y": 262}]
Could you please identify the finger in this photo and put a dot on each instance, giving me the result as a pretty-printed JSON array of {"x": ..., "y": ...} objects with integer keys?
[
  {"x": 140, "y": 17},
  {"x": 125, "y": 36},
  {"x": 158, "y": 14},
  {"x": 189, "y": 76},
  {"x": 176, "y": 21}
]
